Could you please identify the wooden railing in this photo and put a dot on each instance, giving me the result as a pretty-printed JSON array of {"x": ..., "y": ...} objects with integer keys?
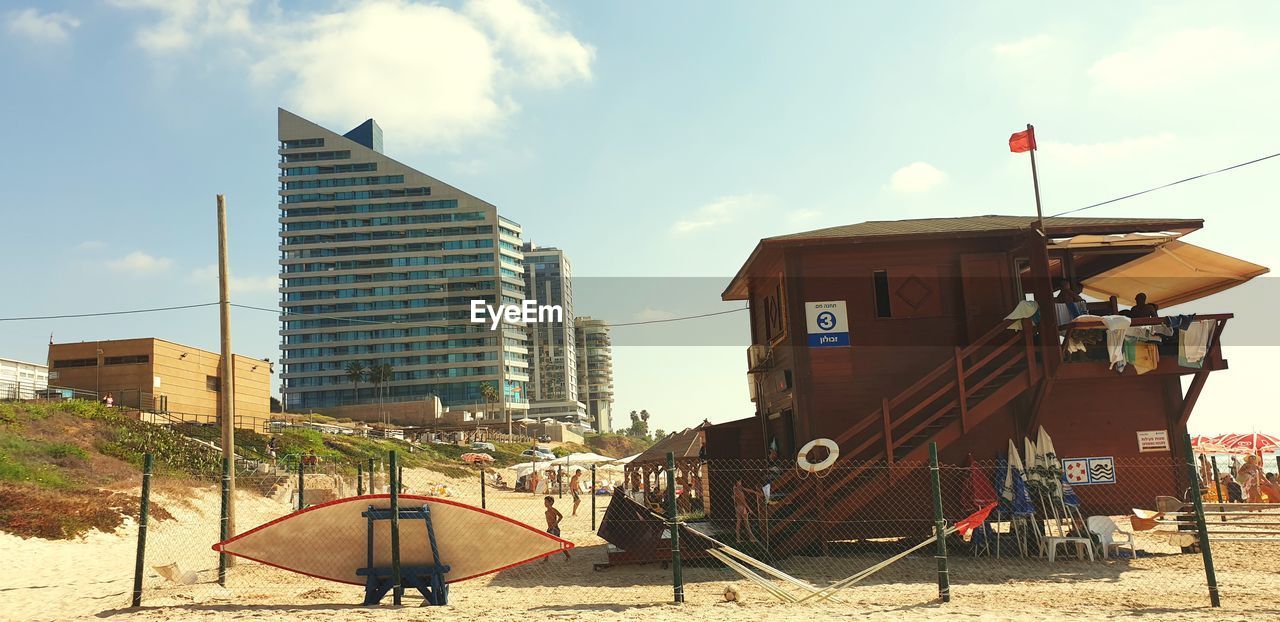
[{"x": 948, "y": 388}]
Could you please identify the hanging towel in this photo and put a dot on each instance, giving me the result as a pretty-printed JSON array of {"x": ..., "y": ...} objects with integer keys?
[
  {"x": 1146, "y": 357},
  {"x": 1116, "y": 327},
  {"x": 1177, "y": 322},
  {"x": 1193, "y": 343}
]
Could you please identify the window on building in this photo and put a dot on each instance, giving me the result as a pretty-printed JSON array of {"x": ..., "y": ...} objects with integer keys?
[
  {"x": 303, "y": 143},
  {"x": 74, "y": 363},
  {"x": 212, "y": 383},
  {"x": 880, "y": 283},
  {"x": 125, "y": 360}
]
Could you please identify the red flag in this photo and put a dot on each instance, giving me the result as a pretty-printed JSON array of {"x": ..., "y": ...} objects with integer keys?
[
  {"x": 973, "y": 521},
  {"x": 1023, "y": 141}
]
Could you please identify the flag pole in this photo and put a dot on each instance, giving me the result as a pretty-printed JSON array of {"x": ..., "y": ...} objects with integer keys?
[{"x": 1035, "y": 179}]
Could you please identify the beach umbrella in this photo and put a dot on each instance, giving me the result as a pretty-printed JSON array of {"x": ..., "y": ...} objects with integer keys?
[
  {"x": 1015, "y": 486},
  {"x": 587, "y": 458},
  {"x": 1047, "y": 460},
  {"x": 1029, "y": 453},
  {"x": 1063, "y": 488},
  {"x": 978, "y": 491},
  {"x": 1206, "y": 444},
  {"x": 1254, "y": 443},
  {"x": 627, "y": 460}
]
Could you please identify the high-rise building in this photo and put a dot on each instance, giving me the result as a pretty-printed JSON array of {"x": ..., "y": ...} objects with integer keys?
[
  {"x": 553, "y": 385},
  {"x": 379, "y": 264},
  {"x": 595, "y": 370}
]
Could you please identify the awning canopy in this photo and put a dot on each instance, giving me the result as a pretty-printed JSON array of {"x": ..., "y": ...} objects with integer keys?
[{"x": 1174, "y": 272}]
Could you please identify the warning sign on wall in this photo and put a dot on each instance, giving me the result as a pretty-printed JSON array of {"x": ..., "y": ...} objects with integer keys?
[{"x": 1153, "y": 440}]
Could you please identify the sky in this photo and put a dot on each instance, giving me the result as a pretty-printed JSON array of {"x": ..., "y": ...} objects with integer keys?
[{"x": 655, "y": 142}]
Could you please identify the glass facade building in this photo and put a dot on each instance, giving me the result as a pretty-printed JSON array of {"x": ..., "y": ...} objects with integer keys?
[
  {"x": 595, "y": 370},
  {"x": 553, "y": 386},
  {"x": 379, "y": 264}
]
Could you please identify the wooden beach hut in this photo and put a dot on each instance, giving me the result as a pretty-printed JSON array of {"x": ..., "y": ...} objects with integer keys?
[{"x": 887, "y": 336}]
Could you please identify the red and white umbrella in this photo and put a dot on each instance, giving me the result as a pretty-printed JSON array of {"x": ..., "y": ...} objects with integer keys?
[
  {"x": 1206, "y": 444},
  {"x": 1252, "y": 443}
]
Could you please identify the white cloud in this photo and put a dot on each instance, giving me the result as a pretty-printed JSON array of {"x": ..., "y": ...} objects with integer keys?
[
  {"x": 649, "y": 314},
  {"x": 429, "y": 74},
  {"x": 1082, "y": 154},
  {"x": 1185, "y": 57},
  {"x": 716, "y": 213},
  {"x": 140, "y": 263},
  {"x": 185, "y": 23},
  {"x": 50, "y": 27},
  {"x": 1023, "y": 47},
  {"x": 208, "y": 275},
  {"x": 916, "y": 177},
  {"x": 547, "y": 57}
]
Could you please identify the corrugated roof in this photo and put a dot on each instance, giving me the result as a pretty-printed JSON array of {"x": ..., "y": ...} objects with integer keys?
[
  {"x": 964, "y": 226},
  {"x": 970, "y": 224}
]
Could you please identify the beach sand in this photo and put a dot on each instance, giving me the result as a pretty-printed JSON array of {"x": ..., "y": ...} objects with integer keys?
[{"x": 92, "y": 578}]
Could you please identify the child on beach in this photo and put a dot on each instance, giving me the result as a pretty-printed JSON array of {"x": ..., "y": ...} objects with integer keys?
[{"x": 553, "y": 519}]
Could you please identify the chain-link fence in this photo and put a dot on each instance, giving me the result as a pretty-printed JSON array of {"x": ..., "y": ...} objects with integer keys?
[{"x": 768, "y": 530}]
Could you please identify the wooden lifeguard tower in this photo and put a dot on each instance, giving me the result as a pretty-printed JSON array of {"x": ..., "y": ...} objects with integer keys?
[{"x": 926, "y": 355}]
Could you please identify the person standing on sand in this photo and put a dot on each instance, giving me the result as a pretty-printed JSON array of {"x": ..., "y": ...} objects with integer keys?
[
  {"x": 573, "y": 490},
  {"x": 553, "y": 520},
  {"x": 533, "y": 481},
  {"x": 743, "y": 512}
]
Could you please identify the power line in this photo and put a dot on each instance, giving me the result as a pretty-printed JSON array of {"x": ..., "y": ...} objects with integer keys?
[
  {"x": 102, "y": 313},
  {"x": 288, "y": 313},
  {"x": 677, "y": 319},
  {"x": 1172, "y": 183}
]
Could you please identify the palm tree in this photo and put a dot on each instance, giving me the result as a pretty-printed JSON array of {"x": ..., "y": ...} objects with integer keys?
[
  {"x": 489, "y": 393},
  {"x": 356, "y": 373},
  {"x": 379, "y": 375}
]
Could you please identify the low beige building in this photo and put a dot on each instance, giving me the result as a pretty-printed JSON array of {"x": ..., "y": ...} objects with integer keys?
[{"x": 155, "y": 375}]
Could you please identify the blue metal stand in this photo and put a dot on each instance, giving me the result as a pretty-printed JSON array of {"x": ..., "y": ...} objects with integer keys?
[{"x": 429, "y": 580}]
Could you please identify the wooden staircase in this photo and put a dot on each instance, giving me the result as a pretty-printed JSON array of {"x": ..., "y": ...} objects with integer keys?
[{"x": 941, "y": 407}]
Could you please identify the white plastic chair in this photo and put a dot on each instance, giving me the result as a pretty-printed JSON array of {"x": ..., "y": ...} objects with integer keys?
[{"x": 1108, "y": 534}]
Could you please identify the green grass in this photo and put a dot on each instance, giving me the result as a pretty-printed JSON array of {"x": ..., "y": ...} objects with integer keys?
[{"x": 36, "y": 461}]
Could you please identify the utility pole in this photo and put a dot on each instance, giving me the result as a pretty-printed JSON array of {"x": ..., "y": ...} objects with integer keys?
[{"x": 227, "y": 391}]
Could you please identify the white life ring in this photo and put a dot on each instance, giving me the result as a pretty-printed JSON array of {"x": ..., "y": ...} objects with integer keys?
[{"x": 833, "y": 452}]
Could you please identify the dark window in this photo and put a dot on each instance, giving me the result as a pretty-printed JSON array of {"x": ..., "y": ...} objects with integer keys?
[
  {"x": 303, "y": 143},
  {"x": 125, "y": 360},
  {"x": 212, "y": 383},
  {"x": 880, "y": 282},
  {"x": 75, "y": 363}
]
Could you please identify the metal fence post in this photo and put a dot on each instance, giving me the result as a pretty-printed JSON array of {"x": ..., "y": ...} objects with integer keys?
[
  {"x": 224, "y": 521},
  {"x": 301, "y": 468},
  {"x": 677, "y": 572},
  {"x": 143, "y": 510},
  {"x": 482, "y": 485},
  {"x": 939, "y": 527},
  {"x": 372, "y": 490},
  {"x": 359, "y": 479},
  {"x": 1217, "y": 483},
  {"x": 1209, "y": 574},
  {"x": 593, "y": 497},
  {"x": 396, "y": 591}
]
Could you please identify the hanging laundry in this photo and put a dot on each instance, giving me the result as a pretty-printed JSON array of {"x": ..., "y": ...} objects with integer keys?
[
  {"x": 1146, "y": 357},
  {"x": 1025, "y": 309},
  {"x": 1178, "y": 322},
  {"x": 1116, "y": 327},
  {"x": 1193, "y": 342}
]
